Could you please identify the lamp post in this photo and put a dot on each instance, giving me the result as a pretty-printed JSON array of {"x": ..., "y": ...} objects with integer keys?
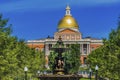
[
  {"x": 90, "y": 72},
  {"x": 38, "y": 74},
  {"x": 25, "y": 70},
  {"x": 45, "y": 72},
  {"x": 96, "y": 69}
]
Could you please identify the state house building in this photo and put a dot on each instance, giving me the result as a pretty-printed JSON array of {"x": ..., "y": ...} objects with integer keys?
[{"x": 68, "y": 29}]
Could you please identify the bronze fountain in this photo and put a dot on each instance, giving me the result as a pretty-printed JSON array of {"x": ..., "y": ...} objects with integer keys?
[{"x": 59, "y": 72}]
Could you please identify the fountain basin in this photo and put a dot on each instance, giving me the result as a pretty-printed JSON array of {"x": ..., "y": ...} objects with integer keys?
[{"x": 60, "y": 77}]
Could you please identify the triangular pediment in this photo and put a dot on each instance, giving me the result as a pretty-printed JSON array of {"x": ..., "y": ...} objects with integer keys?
[{"x": 68, "y": 31}]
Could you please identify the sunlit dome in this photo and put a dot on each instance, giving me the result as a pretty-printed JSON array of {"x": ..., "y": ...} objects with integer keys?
[{"x": 68, "y": 21}]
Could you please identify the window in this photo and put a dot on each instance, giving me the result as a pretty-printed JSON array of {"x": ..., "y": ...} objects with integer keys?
[
  {"x": 67, "y": 37},
  {"x": 68, "y": 12},
  {"x": 37, "y": 49},
  {"x": 72, "y": 37},
  {"x": 78, "y": 37},
  {"x": 85, "y": 59},
  {"x": 85, "y": 50},
  {"x": 50, "y": 46}
]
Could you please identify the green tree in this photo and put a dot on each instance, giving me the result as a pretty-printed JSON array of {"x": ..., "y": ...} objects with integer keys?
[
  {"x": 52, "y": 60},
  {"x": 107, "y": 56},
  {"x": 72, "y": 59},
  {"x": 4, "y": 35},
  {"x": 15, "y": 55}
]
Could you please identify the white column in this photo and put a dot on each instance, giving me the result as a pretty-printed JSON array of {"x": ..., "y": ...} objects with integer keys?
[
  {"x": 87, "y": 48},
  {"x": 46, "y": 49},
  {"x": 81, "y": 48},
  {"x": 46, "y": 55}
]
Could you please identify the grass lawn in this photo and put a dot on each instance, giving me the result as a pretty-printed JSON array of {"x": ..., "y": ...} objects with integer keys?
[{"x": 86, "y": 79}]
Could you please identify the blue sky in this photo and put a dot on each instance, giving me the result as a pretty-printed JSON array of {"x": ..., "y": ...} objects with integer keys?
[{"x": 34, "y": 19}]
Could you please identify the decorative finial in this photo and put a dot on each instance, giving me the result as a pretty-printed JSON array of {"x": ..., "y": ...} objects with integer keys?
[
  {"x": 68, "y": 7},
  {"x": 68, "y": 10}
]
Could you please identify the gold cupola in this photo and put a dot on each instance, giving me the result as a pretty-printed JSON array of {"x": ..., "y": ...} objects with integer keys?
[{"x": 68, "y": 21}]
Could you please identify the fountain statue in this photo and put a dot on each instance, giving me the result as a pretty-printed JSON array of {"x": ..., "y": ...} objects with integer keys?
[
  {"x": 59, "y": 60},
  {"x": 58, "y": 71}
]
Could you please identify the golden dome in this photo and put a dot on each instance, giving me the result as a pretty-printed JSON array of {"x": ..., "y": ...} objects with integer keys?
[{"x": 67, "y": 21}]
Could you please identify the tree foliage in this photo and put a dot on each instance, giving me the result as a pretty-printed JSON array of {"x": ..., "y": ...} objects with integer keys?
[
  {"x": 15, "y": 55},
  {"x": 107, "y": 57},
  {"x": 72, "y": 59},
  {"x": 52, "y": 60}
]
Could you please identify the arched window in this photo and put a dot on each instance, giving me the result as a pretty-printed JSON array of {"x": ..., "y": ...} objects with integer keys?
[{"x": 37, "y": 49}]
